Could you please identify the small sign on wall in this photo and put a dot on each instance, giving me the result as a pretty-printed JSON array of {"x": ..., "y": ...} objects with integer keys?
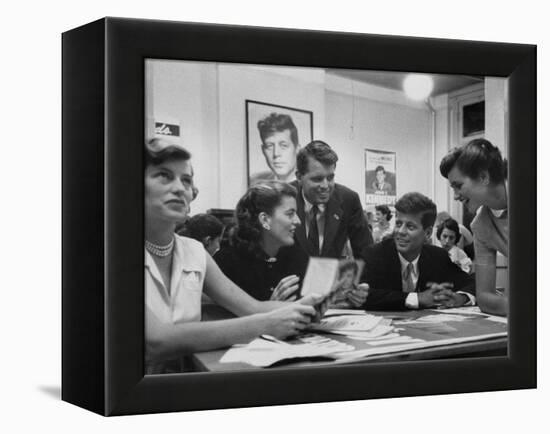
[{"x": 165, "y": 129}]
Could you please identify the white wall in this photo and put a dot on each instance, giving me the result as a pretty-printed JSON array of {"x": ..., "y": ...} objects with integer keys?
[
  {"x": 496, "y": 112},
  {"x": 382, "y": 126}
]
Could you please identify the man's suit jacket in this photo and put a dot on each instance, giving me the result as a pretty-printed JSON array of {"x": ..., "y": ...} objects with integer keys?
[
  {"x": 343, "y": 219},
  {"x": 383, "y": 274}
]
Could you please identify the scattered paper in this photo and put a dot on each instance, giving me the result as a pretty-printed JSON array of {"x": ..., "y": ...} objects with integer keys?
[
  {"x": 500, "y": 319},
  {"x": 468, "y": 310},
  {"x": 365, "y": 335},
  {"x": 263, "y": 353},
  {"x": 334, "y": 312},
  {"x": 397, "y": 340},
  {"x": 348, "y": 323},
  {"x": 438, "y": 318},
  {"x": 357, "y": 355}
]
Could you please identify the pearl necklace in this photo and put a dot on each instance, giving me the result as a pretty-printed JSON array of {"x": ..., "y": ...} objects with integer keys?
[{"x": 160, "y": 251}]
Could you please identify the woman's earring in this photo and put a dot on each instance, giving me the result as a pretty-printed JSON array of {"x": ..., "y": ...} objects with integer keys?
[{"x": 266, "y": 226}]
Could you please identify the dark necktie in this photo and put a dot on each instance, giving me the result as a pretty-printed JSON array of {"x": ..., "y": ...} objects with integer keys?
[{"x": 313, "y": 236}]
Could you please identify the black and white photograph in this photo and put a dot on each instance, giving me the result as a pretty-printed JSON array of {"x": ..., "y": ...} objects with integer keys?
[
  {"x": 273, "y": 137},
  {"x": 83, "y": 94},
  {"x": 298, "y": 201}
]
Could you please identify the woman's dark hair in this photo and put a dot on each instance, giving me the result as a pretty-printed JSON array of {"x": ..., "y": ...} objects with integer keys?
[
  {"x": 475, "y": 157},
  {"x": 379, "y": 169},
  {"x": 384, "y": 209},
  {"x": 262, "y": 197},
  {"x": 158, "y": 151},
  {"x": 450, "y": 224},
  {"x": 201, "y": 226}
]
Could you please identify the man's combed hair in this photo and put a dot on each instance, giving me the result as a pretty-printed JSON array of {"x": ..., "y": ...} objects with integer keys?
[
  {"x": 262, "y": 197},
  {"x": 158, "y": 151},
  {"x": 417, "y": 203},
  {"x": 277, "y": 122},
  {"x": 475, "y": 157},
  {"x": 317, "y": 150},
  {"x": 201, "y": 226}
]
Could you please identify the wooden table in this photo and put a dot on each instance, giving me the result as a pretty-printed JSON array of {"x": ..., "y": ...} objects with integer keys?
[{"x": 488, "y": 338}]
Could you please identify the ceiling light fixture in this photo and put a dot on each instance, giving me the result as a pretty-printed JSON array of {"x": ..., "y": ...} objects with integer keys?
[{"x": 418, "y": 86}]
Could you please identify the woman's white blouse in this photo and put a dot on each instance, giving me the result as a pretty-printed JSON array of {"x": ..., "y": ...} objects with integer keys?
[{"x": 182, "y": 302}]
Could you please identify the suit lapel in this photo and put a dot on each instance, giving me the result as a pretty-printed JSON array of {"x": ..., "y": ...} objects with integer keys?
[
  {"x": 333, "y": 216},
  {"x": 300, "y": 233},
  {"x": 394, "y": 267},
  {"x": 423, "y": 270}
]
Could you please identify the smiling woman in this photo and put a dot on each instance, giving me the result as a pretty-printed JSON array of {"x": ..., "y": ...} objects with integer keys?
[
  {"x": 477, "y": 174},
  {"x": 262, "y": 259}
]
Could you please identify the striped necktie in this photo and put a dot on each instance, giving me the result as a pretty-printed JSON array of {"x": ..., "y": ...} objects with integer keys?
[{"x": 408, "y": 279}]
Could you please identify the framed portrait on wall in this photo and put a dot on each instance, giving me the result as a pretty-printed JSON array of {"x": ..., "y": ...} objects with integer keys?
[
  {"x": 274, "y": 135},
  {"x": 111, "y": 191}
]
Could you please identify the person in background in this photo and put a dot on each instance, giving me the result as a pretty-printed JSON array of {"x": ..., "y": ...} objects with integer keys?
[
  {"x": 369, "y": 218},
  {"x": 448, "y": 235},
  {"x": 279, "y": 147},
  {"x": 331, "y": 213},
  {"x": 382, "y": 229},
  {"x": 204, "y": 228},
  {"x": 407, "y": 273},
  {"x": 466, "y": 241},
  {"x": 259, "y": 259},
  {"x": 477, "y": 174},
  {"x": 177, "y": 269}
]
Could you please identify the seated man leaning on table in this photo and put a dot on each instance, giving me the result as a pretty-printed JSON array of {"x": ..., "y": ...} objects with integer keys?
[{"x": 407, "y": 273}]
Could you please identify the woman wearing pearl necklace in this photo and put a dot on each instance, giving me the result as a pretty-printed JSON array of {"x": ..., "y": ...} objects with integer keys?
[{"x": 177, "y": 269}]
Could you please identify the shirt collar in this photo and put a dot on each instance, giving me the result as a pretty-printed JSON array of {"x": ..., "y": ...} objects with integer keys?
[
  {"x": 404, "y": 263},
  {"x": 308, "y": 205},
  {"x": 501, "y": 213}
]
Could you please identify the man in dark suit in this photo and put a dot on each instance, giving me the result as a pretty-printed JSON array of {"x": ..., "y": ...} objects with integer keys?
[
  {"x": 406, "y": 273},
  {"x": 330, "y": 213}
]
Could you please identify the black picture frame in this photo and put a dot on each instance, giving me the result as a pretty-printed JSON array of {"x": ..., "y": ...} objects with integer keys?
[
  {"x": 102, "y": 296},
  {"x": 300, "y": 117}
]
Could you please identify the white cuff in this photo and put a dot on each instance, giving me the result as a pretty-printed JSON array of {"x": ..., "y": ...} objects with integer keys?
[
  {"x": 412, "y": 300},
  {"x": 471, "y": 298}
]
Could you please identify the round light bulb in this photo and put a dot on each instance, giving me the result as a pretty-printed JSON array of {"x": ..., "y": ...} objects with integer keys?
[{"x": 418, "y": 86}]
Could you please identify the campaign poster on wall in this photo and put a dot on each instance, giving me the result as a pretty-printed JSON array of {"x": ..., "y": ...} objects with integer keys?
[{"x": 380, "y": 177}]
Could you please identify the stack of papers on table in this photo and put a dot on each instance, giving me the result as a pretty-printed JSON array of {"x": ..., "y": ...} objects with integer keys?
[
  {"x": 363, "y": 327},
  {"x": 265, "y": 351}
]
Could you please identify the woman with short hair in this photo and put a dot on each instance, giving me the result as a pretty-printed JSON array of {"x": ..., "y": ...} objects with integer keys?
[
  {"x": 477, "y": 174},
  {"x": 382, "y": 229},
  {"x": 448, "y": 234}
]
